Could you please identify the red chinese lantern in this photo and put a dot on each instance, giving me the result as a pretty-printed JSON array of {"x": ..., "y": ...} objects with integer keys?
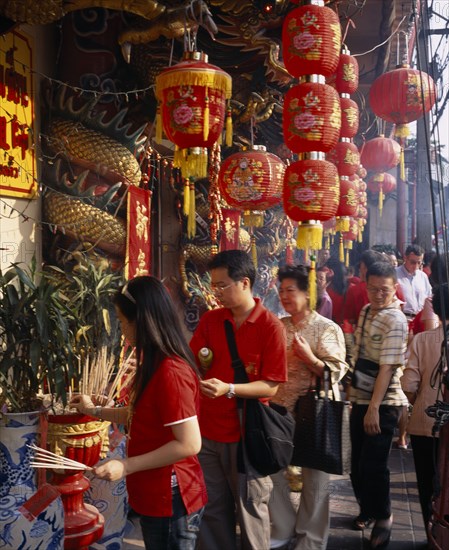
[
  {"x": 252, "y": 180},
  {"x": 349, "y": 197},
  {"x": 346, "y": 157},
  {"x": 383, "y": 184},
  {"x": 311, "y": 195},
  {"x": 402, "y": 96},
  {"x": 380, "y": 154},
  {"x": 361, "y": 172},
  {"x": 192, "y": 99},
  {"x": 311, "y": 39},
  {"x": 349, "y": 117},
  {"x": 349, "y": 237},
  {"x": 312, "y": 118},
  {"x": 347, "y": 75}
]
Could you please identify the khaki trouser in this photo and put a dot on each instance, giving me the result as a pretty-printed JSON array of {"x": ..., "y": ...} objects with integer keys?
[
  {"x": 233, "y": 497},
  {"x": 312, "y": 520}
]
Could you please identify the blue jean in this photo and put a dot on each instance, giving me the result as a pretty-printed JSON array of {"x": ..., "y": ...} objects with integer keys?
[
  {"x": 370, "y": 475},
  {"x": 178, "y": 532}
]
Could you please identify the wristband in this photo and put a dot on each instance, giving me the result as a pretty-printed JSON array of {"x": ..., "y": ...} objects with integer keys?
[{"x": 97, "y": 412}]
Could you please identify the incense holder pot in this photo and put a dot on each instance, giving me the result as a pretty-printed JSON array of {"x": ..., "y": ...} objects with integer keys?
[
  {"x": 81, "y": 438},
  {"x": 29, "y": 517}
]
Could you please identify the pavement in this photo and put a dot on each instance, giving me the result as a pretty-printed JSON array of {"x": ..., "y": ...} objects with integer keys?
[{"x": 408, "y": 529}]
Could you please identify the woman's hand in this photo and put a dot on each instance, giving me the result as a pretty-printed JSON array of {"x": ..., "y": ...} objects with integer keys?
[
  {"x": 82, "y": 403},
  {"x": 302, "y": 350},
  {"x": 112, "y": 470}
]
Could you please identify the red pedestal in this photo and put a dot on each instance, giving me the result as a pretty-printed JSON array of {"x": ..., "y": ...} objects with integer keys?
[{"x": 77, "y": 437}]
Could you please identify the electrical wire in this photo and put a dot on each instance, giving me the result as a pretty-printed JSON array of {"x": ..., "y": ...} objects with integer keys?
[{"x": 436, "y": 183}]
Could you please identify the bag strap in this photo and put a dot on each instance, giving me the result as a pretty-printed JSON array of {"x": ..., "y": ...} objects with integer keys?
[
  {"x": 362, "y": 332},
  {"x": 240, "y": 376}
]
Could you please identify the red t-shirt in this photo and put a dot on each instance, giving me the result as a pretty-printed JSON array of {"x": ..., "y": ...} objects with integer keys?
[
  {"x": 171, "y": 395},
  {"x": 261, "y": 345},
  {"x": 337, "y": 305}
]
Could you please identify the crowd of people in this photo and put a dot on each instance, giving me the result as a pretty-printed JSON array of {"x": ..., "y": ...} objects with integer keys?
[{"x": 187, "y": 476}]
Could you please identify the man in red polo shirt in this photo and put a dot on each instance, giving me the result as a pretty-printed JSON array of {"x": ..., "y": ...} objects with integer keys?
[{"x": 235, "y": 496}]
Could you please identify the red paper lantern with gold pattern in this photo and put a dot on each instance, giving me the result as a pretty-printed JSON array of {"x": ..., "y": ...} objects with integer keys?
[
  {"x": 349, "y": 197},
  {"x": 382, "y": 182},
  {"x": 349, "y": 117},
  {"x": 252, "y": 180},
  {"x": 347, "y": 74},
  {"x": 312, "y": 118},
  {"x": 311, "y": 40},
  {"x": 362, "y": 212},
  {"x": 402, "y": 95},
  {"x": 346, "y": 157},
  {"x": 380, "y": 154},
  {"x": 192, "y": 95},
  {"x": 311, "y": 190},
  {"x": 353, "y": 232}
]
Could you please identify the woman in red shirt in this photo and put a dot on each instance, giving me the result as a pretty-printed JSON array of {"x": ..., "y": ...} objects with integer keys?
[{"x": 163, "y": 476}]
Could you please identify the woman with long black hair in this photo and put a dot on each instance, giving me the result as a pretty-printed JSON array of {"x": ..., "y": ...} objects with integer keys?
[{"x": 163, "y": 475}]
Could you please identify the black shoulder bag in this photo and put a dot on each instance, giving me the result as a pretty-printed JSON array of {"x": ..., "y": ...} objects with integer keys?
[
  {"x": 322, "y": 438},
  {"x": 365, "y": 371},
  {"x": 267, "y": 430}
]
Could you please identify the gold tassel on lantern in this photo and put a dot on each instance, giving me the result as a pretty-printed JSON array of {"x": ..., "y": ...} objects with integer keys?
[
  {"x": 381, "y": 201},
  {"x": 312, "y": 284},
  {"x": 186, "y": 204},
  {"x": 348, "y": 247},
  {"x": 178, "y": 157},
  {"x": 206, "y": 116},
  {"x": 191, "y": 220},
  {"x": 254, "y": 250},
  {"x": 309, "y": 236},
  {"x": 228, "y": 140},
  {"x": 402, "y": 164},
  {"x": 341, "y": 250},
  {"x": 158, "y": 136},
  {"x": 342, "y": 223}
]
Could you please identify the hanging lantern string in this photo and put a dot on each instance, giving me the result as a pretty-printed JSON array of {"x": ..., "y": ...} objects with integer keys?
[
  {"x": 405, "y": 57},
  {"x": 384, "y": 42}
]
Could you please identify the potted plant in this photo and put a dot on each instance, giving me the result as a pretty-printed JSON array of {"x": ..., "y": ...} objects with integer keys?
[
  {"x": 50, "y": 323},
  {"x": 35, "y": 336}
]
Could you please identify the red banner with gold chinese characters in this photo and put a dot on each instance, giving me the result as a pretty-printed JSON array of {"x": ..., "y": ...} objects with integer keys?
[
  {"x": 138, "y": 245},
  {"x": 230, "y": 229}
]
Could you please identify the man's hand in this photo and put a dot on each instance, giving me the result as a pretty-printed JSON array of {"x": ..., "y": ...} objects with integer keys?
[
  {"x": 371, "y": 421},
  {"x": 214, "y": 388}
]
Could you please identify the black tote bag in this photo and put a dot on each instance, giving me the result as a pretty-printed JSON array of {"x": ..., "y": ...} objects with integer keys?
[
  {"x": 268, "y": 429},
  {"x": 322, "y": 439}
]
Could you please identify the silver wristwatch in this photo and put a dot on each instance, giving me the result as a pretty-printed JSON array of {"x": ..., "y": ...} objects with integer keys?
[{"x": 231, "y": 392}]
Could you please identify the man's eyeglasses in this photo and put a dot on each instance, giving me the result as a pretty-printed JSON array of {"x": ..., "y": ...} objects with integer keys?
[
  {"x": 383, "y": 291},
  {"x": 221, "y": 288}
]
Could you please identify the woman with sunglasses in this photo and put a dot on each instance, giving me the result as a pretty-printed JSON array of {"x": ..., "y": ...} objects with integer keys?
[{"x": 163, "y": 475}]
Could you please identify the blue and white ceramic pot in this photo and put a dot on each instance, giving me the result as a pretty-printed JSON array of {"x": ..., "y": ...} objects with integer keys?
[{"x": 18, "y": 485}]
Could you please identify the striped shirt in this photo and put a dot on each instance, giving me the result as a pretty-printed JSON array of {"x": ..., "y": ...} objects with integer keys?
[
  {"x": 326, "y": 341},
  {"x": 384, "y": 341}
]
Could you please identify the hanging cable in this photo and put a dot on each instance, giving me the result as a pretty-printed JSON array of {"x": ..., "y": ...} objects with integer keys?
[{"x": 423, "y": 65}]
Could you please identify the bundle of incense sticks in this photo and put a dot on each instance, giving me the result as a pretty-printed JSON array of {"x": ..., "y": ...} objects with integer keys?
[
  {"x": 98, "y": 377},
  {"x": 47, "y": 459}
]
